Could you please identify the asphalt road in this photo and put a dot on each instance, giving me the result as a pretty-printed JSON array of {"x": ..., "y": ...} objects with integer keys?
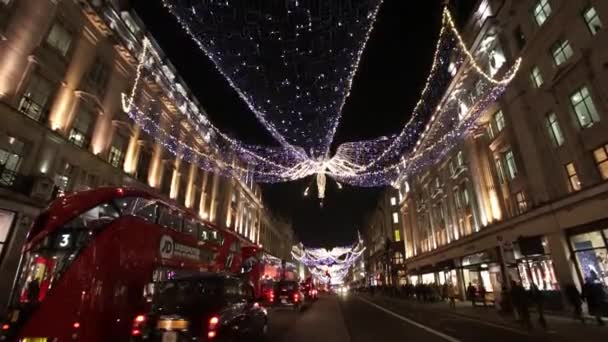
[{"x": 351, "y": 318}]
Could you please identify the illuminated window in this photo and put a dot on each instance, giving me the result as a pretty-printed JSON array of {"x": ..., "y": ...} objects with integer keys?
[
  {"x": 397, "y": 235},
  {"x": 59, "y": 38},
  {"x": 561, "y": 52},
  {"x": 116, "y": 157},
  {"x": 500, "y": 170},
  {"x": 593, "y": 20},
  {"x": 536, "y": 77},
  {"x": 393, "y": 200},
  {"x": 583, "y": 106},
  {"x": 555, "y": 132},
  {"x": 9, "y": 166},
  {"x": 541, "y": 11},
  {"x": 36, "y": 97},
  {"x": 82, "y": 127},
  {"x": 601, "y": 159},
  {"x": 511, "y": 165},
  {"x": 395, "y": 218},
  {"x": 574, "y": 183},
  {"x": 522, "y": 202},
  {"x": 499, "y": 121}
]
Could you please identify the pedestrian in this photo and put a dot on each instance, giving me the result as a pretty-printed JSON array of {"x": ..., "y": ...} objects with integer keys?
[
  {"x": 444, "y": 291},
  {"x": 520, "y": 301},
  {"x": 537, "y": 298},
  {"x": 451, "y": 293},
  {"x": 482, "y": 294},
  {"x": 593, "y": 293},
  {"x": 471, "y": 291},
  {"x": 575, "y": 299}
]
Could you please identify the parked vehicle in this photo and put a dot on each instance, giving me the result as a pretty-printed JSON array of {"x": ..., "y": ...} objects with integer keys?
[{"x": 206, "y": 307}]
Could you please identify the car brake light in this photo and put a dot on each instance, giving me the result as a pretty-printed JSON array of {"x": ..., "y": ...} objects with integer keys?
[
  {"x": 5, "y": 326},
  {"x": 296, "y": 297},
  {"x": 138, "y": 323},
  {"x": 76, "y": 325},
  {"x": 213, "y": 322}
]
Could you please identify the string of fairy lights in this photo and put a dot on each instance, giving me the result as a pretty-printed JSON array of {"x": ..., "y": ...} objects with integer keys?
[
  {"x": 329, "y": 266},
  {"x": 293, "y": 64}
]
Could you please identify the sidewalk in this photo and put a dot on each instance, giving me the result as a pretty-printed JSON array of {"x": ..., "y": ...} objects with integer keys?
[{"x": 560, "y": 328}]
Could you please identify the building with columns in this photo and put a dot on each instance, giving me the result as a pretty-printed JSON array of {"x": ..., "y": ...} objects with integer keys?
[
  {"x": 383, "y": 238},
  {"x": 525, "y": 196},
  {"x": 64, "y": 66}
]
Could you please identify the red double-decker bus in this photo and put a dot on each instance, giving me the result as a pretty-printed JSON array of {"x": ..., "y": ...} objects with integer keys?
[
  {"x": 264, "y": 270},
  {"x": 91, "y": 259}
]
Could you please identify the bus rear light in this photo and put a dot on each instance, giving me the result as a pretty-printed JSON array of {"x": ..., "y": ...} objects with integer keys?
[
  {"x": 296, "y": 297},
  {"x": 211, "y": 334},
  {"x": 139, "y": 319}
]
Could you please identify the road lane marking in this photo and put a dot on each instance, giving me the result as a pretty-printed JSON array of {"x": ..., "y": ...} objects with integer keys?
[
  {"x": 495, "y": 325},
  {"x": 407, "y": 320}
]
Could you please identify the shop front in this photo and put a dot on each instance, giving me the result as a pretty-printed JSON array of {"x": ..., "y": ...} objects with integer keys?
[
  {"x": 529, "y": 263},
  {"x": 482, "y": 269},
  {"x": 590, "y": 250}
]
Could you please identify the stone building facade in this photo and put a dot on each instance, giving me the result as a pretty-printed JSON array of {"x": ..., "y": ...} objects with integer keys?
[
  {"x": 63, "y": 68},
  {"x": 525, "y": 197}
]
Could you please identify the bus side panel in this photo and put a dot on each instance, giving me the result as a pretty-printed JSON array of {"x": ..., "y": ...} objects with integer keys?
[{"x": 102, "y": 288}]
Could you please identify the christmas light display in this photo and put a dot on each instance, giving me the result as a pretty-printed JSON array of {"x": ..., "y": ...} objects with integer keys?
[
  {"x": 329, "y": 266},
  {"x": 294, "y": 65},
  {"x": 292, "y": 62}
]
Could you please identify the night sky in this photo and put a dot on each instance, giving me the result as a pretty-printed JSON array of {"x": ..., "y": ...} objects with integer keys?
[{"x": 391, "y": 75}]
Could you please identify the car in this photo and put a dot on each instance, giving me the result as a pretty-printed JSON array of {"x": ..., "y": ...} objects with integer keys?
[
  {"x": 206, "y": 307},
  {"x": 287, "y": 294},
  {"x": 310, "y": 291}
]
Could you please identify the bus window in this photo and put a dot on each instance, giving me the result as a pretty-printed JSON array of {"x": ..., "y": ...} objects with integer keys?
[
  {"x": 190, "y": 227},
  {"x": 171, "y": 219},
  {"x": 45, "y": 262},
  {"x": 126, "y": 205},
  {"x": 204, "y": 234},
  {"x": 96, "y": 217},
  {"x": 145, "y": 209}
]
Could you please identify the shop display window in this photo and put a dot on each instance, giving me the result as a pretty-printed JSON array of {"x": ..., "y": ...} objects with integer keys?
[
  {"x": 587, "y": 241},
  {"x": 428, "y": 278},
  {"x": 6, "y": 222},
  {"x": 591, "y": 255},
  {"x": 593, "y": 264},
  {"x": 539, "y": 272}
]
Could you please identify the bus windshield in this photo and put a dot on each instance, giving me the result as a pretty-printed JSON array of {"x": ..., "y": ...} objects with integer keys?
[{"x": 45, "y": 262}]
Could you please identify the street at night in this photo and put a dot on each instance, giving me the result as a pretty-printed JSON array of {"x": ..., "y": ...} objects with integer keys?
[
  {"x": 303, "y": 170},
  {"x": 362, "y": 318}
]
